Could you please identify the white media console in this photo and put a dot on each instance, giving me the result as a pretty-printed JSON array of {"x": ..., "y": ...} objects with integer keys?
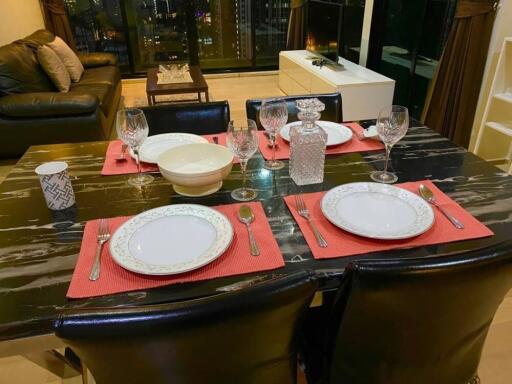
[{"x": 364, "y": 92}]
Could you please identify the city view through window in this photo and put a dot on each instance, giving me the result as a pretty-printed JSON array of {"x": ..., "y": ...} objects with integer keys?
[{"x": 231, "y": 34}]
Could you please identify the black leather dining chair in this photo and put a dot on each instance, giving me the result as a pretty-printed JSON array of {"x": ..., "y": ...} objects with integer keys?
[
  {"x": 414, "y": 321},
  {"x": 198, "y": 118},
  {"x": 333, "y": 108},
  {"x": 246, "y": 336}
]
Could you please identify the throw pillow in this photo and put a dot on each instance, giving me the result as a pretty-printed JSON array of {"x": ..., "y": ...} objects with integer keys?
[
  {"x": 68, "y": 57},
  {"x": 54, "y": 68}
]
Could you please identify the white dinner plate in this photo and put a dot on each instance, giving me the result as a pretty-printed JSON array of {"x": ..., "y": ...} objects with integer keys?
[
  {"x": 336, "y": 133},
  {"x": 171, "y": 239},
  {"x": 377, "y": 211},
  {"x": 155, "y": 145}
]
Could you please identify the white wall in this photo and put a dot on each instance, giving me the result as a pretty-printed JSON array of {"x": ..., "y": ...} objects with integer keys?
[
  {"x": 502, "y": 28},
  {"x": 19, "y": 18}
]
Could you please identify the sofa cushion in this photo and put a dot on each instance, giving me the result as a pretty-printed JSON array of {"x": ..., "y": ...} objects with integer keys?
[
  {"x": 54, "y": 68},
  {"x": 97, "y": 59},
  {"x": 68, "y": 57},
  {"x": 101, "y": 75},
  {"x": 47, "y": 104},
  {"x": 104, "y": 92},
  {"x": 20, "y": 71}
]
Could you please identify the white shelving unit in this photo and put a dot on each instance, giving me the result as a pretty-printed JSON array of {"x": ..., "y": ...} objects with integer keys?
[
  {"x": 498, "y": 110},
  {"x": 364, "y": 92}
]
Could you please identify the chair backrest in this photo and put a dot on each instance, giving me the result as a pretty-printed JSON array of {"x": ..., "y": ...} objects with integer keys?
[
  {"x": 333, "y": 108},
  {"x": 416, "y": 321},
  {"x": 246, "y": 336},
  {"x": 198, "y": 118}
]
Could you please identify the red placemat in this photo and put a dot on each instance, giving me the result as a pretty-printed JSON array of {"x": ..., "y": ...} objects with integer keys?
[
  {"x": 220, "y": 136},
  {"x": 113, "y": 167},
  {"x": 236, "y": 260},
  {"x": 342, "y": 243},
  {"x": 354, "y": 145}
]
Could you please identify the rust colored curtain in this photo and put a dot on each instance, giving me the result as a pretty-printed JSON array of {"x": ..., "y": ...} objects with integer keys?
[
  {"x": 453, "y": 94},
  {"x": 295, "y": 37},
  {"x": 56, "y": 21}
]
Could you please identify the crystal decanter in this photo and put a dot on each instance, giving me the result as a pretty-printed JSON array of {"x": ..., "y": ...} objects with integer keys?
[{"x": 307, "y": 144}]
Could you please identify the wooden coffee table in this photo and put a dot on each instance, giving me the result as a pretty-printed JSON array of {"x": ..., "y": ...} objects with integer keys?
[{"x": 198, "y": 86}]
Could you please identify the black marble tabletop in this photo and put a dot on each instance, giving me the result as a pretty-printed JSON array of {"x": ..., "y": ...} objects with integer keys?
[{"x": 39, "y": 248}]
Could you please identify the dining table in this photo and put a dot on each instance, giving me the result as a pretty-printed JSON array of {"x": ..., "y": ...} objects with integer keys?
[{"x": 39, "y": 247}]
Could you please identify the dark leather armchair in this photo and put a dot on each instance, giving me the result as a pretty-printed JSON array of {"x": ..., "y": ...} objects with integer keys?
[
  {"x": 418, "y": 321},
  {"x": 246, "y": 336},
  {"x": 33, "y": 112},
  {"x": 333, "y": 108},
  {"x": 198, "y": 118}
]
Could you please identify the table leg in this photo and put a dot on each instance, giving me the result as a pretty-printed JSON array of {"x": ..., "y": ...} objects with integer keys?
[
  {"x": 207, "y": 96},
  {"x": 199, "y": 97},
  {"x": 149, "y": 100}
]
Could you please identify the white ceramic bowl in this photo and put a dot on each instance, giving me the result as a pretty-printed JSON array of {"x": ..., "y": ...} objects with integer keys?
[{"x": 196, "y": 169}]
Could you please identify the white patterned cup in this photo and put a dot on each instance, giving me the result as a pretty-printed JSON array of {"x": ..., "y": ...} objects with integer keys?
[{"x": 56, "y": 185}]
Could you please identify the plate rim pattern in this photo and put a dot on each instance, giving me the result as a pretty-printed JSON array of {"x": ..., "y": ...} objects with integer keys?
[
  {"x": 120, "y": 253},
  {"x": 425, "y": 214},
  {"x": 320, "y": 122},
  {"x": 196, "y": 139}
]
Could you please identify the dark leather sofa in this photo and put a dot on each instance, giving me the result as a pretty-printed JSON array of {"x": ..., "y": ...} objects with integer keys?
[{"x": 32, "y": 111}]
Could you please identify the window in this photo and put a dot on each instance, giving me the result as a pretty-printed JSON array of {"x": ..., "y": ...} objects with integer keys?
[{"x": 241, "y": 34}]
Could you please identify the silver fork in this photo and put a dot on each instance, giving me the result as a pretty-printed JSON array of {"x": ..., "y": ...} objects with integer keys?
[
  {"x": 303, "y": 211},
  {"x": 271, "y": 143},
  {"x": 122, "y": 156},
  {"x": 103, "y": 237}
]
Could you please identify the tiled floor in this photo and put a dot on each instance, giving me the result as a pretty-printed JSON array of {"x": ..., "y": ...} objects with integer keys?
[
  {"x": 235, "y": 89},
  {"x": 496, "y": 364},
  {"x": 18, "y": 370}
]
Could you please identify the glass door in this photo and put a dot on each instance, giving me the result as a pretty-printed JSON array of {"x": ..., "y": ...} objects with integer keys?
[
  {"x": 219, "y": 34},
  {"x": 100, "y": 26},
  {"x": 157, "y": 32},
  {"x": 224, "y": 34},
  {"x": 270, "y": 30},
  {"x": 406, "y": 45}
]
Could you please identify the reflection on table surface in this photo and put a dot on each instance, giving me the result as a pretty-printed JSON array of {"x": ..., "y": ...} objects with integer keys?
[{"x": 38, "y": 248}]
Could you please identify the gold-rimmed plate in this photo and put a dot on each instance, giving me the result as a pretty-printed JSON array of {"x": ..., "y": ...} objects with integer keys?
[
  {"x": 171, "y": 239},
  {"x": 336, "y": 133},
  {"x": 377, "y": 211},
  {"x": 155, "y": 145}
]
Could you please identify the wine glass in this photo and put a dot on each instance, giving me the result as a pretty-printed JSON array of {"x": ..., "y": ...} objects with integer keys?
[
  {"x": 273, "y": 116},
  {"x": 392, "y": 125},
  {"x": 132, "y": 129},
  {"x": 242, "y": 141}
]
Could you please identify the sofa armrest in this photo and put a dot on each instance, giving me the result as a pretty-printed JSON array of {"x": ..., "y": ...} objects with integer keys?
[
  {"x": 97, "y": 59},
  {"x": 44, "y": 104}
]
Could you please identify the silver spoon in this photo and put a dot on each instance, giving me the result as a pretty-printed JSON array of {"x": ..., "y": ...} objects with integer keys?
[
  {"x": 246, "y": 216},
  {"x": 428, "y": 195}
]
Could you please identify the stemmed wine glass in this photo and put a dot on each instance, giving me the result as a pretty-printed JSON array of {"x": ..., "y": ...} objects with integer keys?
[
  {"x": 242, "y": 141},
  {"x": 273, "y": 116},
  {"x": 392, "y": 125},
  {"x": 132, "y": 129}
]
